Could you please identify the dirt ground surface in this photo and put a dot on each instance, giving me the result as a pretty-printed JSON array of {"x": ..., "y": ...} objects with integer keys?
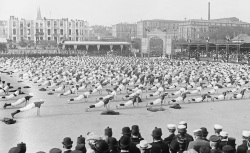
[{"x": 60, "y": 119}]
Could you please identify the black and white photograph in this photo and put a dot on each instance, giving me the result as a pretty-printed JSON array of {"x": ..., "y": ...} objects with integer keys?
[{"x": 124, "y": 76}]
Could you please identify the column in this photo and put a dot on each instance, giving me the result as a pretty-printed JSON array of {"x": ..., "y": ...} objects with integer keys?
[
  {"x": 217, "y": 50},
  {"x": 207, "y": 48},
  {"x": 197, "y": 52},
  {"x": 98, "y": 47},
  {"x": 227, "y": 52}
]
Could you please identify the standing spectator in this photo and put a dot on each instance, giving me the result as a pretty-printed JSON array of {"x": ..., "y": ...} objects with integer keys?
[
  {"x": 171, "y": 129},
  {"x": 186, "y": 134},
  {"x": 204, "y": 133},
  {"x": 157, "y": 140},
  {"x": 101, "y": 146},
  {"x": 223, "y": 139},
  {"x": 144, "y": 146},
  {"x": 214, "y": 144},
  {"x": 135, "y": 134},
  {"x": 231, "y": 142},
  {"x": 217, "y": 129},
  {"x": 126, "y": 131},
  {"x": 113, "y": 145},
  {"x": 243, "y": 147},
  {"x": 22, "y": 147},
  {"x": 127, "y": 146},
  {"x": 67, "y": 144},
  {"x": 14, "y": 150},
  {"x": 81, "y": 144},
  {"x": 180, "y": 141},
  {"x": 198, "y": 142},
  {"x": 108, "y": 133}
]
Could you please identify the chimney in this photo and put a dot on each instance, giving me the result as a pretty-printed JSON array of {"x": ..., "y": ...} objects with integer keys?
[{"x": 208, "y": 10}]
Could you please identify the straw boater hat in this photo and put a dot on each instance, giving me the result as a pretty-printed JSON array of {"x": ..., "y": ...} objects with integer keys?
[{"x": 143, "y": 145}]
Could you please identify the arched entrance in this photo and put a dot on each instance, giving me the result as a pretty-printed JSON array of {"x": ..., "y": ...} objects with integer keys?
[{"x": 156, "y": 46}]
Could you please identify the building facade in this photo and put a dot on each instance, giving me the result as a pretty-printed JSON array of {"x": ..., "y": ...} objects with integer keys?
[
  {"x": 47, "y": 29},
  {"x": 3, "y": 29},
  {"x": 124, "y": 31},
  {"x": 191, "y": 29},
  {"x": 170, "y": 26}
]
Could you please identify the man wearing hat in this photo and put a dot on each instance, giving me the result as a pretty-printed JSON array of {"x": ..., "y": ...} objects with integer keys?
[
  {"x": 80, "y": 145},
  {"x": 113, "y": 145},
  {"x": 204, "y": 133},
  {"x": 101, "y": 146},
  {"x": 126, "y": 145},
  {"x": 217, "y": 129},
  {"x": 55, "y": 150},
  {"x": 108, "y": 133},
  {"x": 198, "y": 142},
  {"x": 243, "y": 147},
  {"x": 22, "y": 147},
  {"x": 135, "y": 134},
  {"x": 186, "y": 134},
  {"x": 171, "y": 129},
  {"x": 228, "y": 149},
  {"x": 14, "y": 150},
  {"x": 223, "y": 139},
  {"x": 67, "y": 144},
  {"x": 126, "y": 131},
  {"x": 181, "y": 140},
  {"x": 143, "y": 146},
  {"x": 157, "y": 140},
  {"x": 214, "y": 144}
]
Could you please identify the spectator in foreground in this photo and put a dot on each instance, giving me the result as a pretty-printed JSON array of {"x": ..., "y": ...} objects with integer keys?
[{"x": 67, "y": 144}]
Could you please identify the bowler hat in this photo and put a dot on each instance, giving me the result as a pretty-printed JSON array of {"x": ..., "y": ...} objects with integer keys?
[
  {"x": 228, "y": 149},
  {"x": 14, "y": 150},
  {"x": 80, "y": 140},
  {"x": 55, "y": 150},
  {"x": 101, "y": 146},
  {"x": 124, "y": 142},
  {"x": 67, "y": 141},
  {"x": 126, "y": 130},
  {"x": 157, "y": 132},
  {"x": 204, "y": 131},
  {"x": 135, "y": 129}
]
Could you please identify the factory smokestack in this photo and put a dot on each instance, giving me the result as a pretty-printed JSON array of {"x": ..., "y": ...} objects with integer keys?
[{"x": 208, "y": 10}]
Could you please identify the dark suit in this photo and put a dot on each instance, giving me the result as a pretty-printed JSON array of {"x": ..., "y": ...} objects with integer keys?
[
  {"x": 169, "y": 138},
  {"x": 136, "y": 140},
  {"x": 222, "y": 144},
  {"x": 175, "y": 146},
  {"x": 162, "y": 144},
  {"x": 243, "y": 147},
  {"x": 197, "y": 144},
  {"x": 215, "y": 151},
  {"x": 189, "y": 136},
  {"x": 133, "y": 148}
]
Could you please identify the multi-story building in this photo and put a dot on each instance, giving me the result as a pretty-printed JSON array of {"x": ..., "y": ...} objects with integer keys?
[
  {"x": 3, "y": 29},
  {"x": 47, "y": 29},
  {"x": 191, "y": 29},
  {"x": 144, "y": 26},
  {"x": 124, "y": 31}
]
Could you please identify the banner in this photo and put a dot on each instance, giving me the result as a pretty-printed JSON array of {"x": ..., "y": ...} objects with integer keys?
[{"x": 144, "y": 45}]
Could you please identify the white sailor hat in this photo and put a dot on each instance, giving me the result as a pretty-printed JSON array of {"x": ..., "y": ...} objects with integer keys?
[
  {"x": 218, "y": 127},
  {"x": 181, "y": 127},
  {"x": 41, "y": 100},
  {"x": 171, "y": 126},
  {"x": 246, "y": 134},
  {"x": 182, "y": 123},
  {"x": 198, "y": 132},
  {"x": 223, "y": 133}
]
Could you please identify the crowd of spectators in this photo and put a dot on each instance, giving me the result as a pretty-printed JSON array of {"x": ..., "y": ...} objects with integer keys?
[{"x": 131, "y": 141}]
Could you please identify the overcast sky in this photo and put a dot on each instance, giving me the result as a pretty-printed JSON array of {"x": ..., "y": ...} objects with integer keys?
[{"x": 109, "y": 12}]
